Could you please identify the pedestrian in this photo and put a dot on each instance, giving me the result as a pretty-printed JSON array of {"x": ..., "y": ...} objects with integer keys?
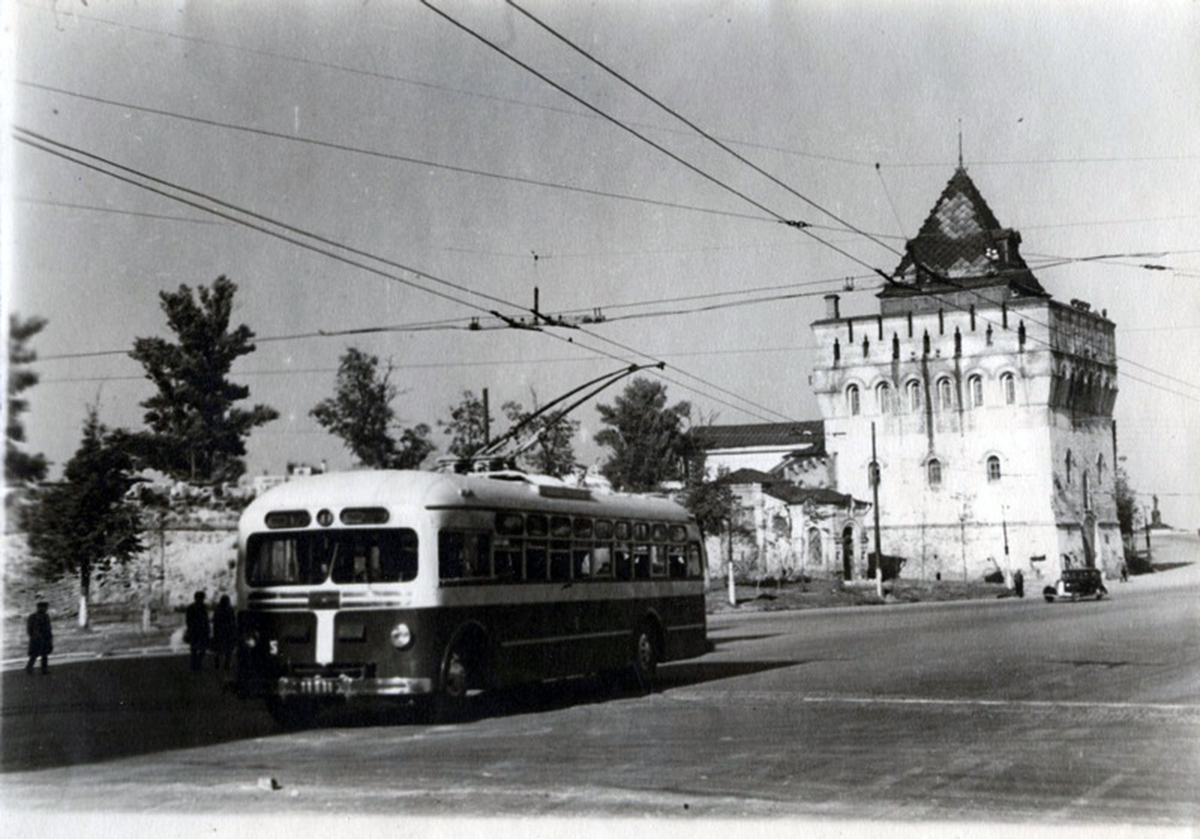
[
  {"x": 41, "y": 638},
  {"x": 198, "y": 631},
  {"x": 224, "y": 632},
  {"x": 1124, "y": 572},
  {"x": 1019, "y": 583}
]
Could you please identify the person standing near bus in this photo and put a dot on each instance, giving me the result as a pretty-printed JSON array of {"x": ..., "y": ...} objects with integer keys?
[
  {"x": 41, "y": 637},
  {"x": 199, "y": 630},
  {"x": 224, "y": 632}
]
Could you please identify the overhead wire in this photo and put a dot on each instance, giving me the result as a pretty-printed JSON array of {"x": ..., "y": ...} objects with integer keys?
[
  {"x": 56, "y": 149},
  {"x": 706, "y": 135},
  {"x": 639, "y": 135},
  {"x": 397, "y": 158},
  {"x": 428, "y": 85},
  {"x": 1053, "y": 262}
]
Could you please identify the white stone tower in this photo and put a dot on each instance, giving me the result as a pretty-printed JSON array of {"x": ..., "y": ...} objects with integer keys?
[{"x": 991, "y": 403}]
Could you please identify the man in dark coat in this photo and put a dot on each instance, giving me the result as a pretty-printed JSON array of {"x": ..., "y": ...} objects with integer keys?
[
  {"x": 198, "y": 630},
  {"x": 41, "y": 637},
  {"x": 224, "y": 632}
]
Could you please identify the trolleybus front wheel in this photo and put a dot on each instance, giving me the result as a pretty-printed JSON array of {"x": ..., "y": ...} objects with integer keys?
[
  {"x": 645, "y": 656},
  {"x": 450, "y": 702}
]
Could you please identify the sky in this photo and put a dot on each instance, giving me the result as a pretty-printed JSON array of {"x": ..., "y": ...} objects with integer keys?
[{"x": 444, "y": 181}]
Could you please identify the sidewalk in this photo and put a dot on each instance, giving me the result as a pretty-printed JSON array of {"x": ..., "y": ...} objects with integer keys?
[{"x": 103, "y": 641}]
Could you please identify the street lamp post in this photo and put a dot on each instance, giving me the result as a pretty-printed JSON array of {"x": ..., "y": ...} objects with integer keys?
[{"x": 875, "y": 505}]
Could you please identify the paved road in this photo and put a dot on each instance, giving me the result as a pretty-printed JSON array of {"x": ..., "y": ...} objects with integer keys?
[{"x": 999, "y": 711}]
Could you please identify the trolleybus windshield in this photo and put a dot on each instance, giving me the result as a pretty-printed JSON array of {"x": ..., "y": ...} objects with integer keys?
[{"x": 346, "y": 556}]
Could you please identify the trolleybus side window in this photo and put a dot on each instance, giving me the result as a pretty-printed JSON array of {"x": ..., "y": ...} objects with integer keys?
[
  {"x": 623, "y": 560},
  {"x": 535, "y": 562},
  {"x": 641, "y": 561},
  {"x": 536, "y": 525},
  {"x": 602, "y": 557},
  {"x": 658, "y": 560},
  {"x": 464, "y": 555},
  {"x": 560, "y": 560},
  {"x": 602, "y": 563},
  {"x": 508, "y": 559},
  {"x": 677, "y": 561}
]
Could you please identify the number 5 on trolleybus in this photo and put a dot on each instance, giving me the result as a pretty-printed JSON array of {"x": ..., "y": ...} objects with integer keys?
[{"x": 428, "y": 586}]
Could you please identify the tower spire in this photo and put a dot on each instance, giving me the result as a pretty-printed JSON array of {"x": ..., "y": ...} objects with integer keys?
[{"x": 960, "y": 163}]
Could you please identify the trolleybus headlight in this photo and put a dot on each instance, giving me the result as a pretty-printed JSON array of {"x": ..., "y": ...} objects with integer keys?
[
  {"x": 250, "y": 640},
  {"x": 401, "y": 636}
]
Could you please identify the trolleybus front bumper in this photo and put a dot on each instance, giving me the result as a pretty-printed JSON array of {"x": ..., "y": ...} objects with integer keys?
[{"x": 346, "y": 687}]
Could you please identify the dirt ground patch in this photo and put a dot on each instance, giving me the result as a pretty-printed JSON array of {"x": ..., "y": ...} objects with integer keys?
[{"x": 822, "y": 594}]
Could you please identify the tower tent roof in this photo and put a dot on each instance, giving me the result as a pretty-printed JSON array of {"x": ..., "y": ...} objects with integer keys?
[{"x": 962, "y": 245}]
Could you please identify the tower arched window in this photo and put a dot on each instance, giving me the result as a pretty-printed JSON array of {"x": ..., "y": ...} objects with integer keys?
[
  {"x": 853, "y": 401},
  {"x": 993, "y": 469},
  {"x": 975, "y": 388},
  {"x": 933, "y": 472},
  {"x": 1070, "y": 463},
  {"x": 1008, "y": 384},
  {"x": 883, "y": 398},
  {"x": 1100, "y": 468},
  {"x": 945, "y": 391},
  {"x": 1087, "y": 491},
  {"x": 913, "y": 393}
]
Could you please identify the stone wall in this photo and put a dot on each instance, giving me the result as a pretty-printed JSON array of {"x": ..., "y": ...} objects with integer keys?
[{"x": 178, "y": 562}]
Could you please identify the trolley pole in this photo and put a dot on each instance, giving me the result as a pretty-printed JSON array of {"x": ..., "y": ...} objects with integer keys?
[{"x": 875, "y": 506}]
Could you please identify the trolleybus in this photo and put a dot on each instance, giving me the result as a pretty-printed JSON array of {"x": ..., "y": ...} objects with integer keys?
[{"x": 427, "y": 586}]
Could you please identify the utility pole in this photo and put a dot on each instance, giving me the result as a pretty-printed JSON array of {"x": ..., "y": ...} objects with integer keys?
[
  {"x": 729, "y": 562},
  {"x": 487, "y": 420},
  {"x": 1007, "y": 561},
  {"x": 1146, "y": 519},
  {"x": 875, "y": 505}
]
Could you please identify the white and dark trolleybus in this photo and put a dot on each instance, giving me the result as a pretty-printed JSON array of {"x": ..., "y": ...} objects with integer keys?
[{"x": 427, "y": 586}]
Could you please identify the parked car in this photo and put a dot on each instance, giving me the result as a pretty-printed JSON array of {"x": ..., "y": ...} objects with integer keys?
[{"x": 1076, "y": 583}]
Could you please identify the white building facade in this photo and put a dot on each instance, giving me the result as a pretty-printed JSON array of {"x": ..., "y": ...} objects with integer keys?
[{"x": 989, "y": 404}]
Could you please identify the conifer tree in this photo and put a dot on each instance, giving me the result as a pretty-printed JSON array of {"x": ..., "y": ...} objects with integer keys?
[
  {"x": 649, "y": 441},
  {"x": 21, "y": 467},
  {"x": 85, "y": 522},
  {"x": 197, "y": 432}
]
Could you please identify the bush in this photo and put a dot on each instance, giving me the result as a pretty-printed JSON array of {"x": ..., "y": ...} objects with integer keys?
[
  {"x": 891, "y": 565},
  {"x": 1138, "y": 563}
]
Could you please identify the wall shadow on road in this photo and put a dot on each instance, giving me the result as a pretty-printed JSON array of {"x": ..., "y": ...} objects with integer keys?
[
  {"x": 87, "y": 712},
  {"x": 95, "y": 711}
]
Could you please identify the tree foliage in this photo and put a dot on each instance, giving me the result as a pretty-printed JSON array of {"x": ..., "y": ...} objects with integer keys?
[
  {"x": 716, "y": 508},
  {"x": 553, "y": 453},
  {"x": 469, "y": 425},
  {"x": 85, "y": 523},
  {"x": 197, "y": 432},
  {"x": 649, "y": 441},
  {"x": 360, "y": 412},
  {"x": 21, "y": 467},
  {"x": 1126, "y": 501}
]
